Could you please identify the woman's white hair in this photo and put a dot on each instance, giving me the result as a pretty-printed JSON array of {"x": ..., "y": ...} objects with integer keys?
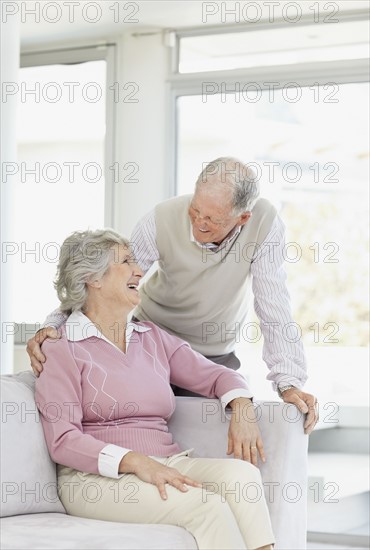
[
  {"x": 239, "y": 178},
  {"x": 84, "y": 256}
]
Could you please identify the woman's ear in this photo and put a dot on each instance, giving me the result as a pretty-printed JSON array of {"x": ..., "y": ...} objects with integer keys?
[{"x": 95, "y": 283}]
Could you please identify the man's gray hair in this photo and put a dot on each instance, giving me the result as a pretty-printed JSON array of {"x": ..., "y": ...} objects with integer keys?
[
  {"x": 236, "y": 176},
  {"x": 84, "y": 256}
]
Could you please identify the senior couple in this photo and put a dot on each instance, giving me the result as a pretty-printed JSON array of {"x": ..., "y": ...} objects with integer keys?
[{"x": 112, "y": 377}]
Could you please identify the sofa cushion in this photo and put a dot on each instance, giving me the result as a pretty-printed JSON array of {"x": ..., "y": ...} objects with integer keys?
[
  {"x": 28, "y": 475},
  {"x": 54, "y": 531}
]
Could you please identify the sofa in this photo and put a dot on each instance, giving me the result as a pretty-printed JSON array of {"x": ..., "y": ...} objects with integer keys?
[{"x": 32, "y": 515}]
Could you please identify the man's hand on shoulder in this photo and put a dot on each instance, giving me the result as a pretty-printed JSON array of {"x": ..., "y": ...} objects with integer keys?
[
  {"x": 306, "y": 403},
  {"x": 34, "y": 350}
]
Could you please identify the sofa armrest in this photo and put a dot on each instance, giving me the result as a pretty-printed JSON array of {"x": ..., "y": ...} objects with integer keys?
[{"x": 201, "y": 424}]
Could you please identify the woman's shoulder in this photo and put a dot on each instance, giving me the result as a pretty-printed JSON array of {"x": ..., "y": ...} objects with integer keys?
[
  {"x": 150, "y": 328},
  {"x": 147, "y": 328},
  {"x": 160, "y": 335},
  {"x": 58, "y": 343}
]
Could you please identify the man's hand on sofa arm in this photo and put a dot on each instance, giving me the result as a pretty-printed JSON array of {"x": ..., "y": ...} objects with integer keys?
[
  {"x": 306, "y": 403},
  {"x": 244, "y": 437},
  {"x": 34, "y": 350}
]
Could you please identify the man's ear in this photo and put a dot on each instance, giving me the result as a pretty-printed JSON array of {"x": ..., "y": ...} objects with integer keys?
[{"x": 243, "y": 218}]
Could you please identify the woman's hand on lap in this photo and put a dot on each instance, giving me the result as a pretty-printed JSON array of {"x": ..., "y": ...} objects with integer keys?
[{"x": 149, "y": 470}]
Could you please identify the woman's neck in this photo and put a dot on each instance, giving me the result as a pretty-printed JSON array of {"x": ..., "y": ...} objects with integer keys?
[{"x": 111, "y": 322}]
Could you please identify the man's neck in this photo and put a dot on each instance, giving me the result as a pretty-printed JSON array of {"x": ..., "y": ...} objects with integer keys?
[{"x": 228, "y": 236}]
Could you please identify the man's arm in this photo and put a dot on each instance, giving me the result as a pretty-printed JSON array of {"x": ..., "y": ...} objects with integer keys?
[
  {"x": 282, "y": 352},
  {"x": 53, "y": 321},
  {"x": 143, "y": 242},
  {"x": 282, "y": 349}
]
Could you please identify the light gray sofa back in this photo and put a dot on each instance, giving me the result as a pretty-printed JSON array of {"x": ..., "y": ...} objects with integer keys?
[{"x": 28, "y": 475}]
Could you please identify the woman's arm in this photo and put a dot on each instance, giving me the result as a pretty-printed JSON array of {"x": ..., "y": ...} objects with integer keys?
[
  {"x": 59, "y": 399},
  {"x": 191, "y": 370}
]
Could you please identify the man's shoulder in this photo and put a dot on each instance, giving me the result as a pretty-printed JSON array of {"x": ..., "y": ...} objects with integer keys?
[
  {"x": 173, "y": 203},
  {"x": 263, "y": 214},
  {"x": 264, "y": 206},
  {"x": 261, "y": 223},
  {"x": 172, "y": 216}
]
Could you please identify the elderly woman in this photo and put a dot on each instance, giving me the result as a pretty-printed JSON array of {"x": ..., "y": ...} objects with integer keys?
[{"x": 110, "y": 379}]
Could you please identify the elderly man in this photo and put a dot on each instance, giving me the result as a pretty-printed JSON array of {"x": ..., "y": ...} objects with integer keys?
[{"x": 210, "y": 246}]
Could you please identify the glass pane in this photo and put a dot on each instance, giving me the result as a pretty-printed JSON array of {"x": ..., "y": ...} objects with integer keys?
[
  {"x": 312, "y": 160},
  {"x": 257, "y": 48},
  {"x": 60, "y": 181}
]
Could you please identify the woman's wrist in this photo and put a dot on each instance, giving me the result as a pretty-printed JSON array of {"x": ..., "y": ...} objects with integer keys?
[
  {"x": 240, "y": 401},
  {"x": 128, "y": 463}
]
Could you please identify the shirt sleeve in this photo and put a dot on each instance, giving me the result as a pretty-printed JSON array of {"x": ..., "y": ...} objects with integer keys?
[
  {"x": 143, "y": 242},
  {"x": 109, "y": 460},
  {"x": 234, "y": 394},
  {"x": 59, "y": 399},
  {"x": 282, "y": 349},
  {"x": 55, "y": 319}
]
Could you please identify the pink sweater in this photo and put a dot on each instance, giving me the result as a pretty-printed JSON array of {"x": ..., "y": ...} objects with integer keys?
[{"x": 91, "y": 394}]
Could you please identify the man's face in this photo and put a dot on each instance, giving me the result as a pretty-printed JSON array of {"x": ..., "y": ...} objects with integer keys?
[{"x": 211, "y": 215}]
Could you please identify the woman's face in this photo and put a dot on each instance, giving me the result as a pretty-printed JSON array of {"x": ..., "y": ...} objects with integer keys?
[{"x": 119, "y": 284}]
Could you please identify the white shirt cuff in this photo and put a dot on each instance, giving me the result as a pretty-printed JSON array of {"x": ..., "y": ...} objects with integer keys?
[
  {"x": 109, "y": 459},
  {"x": 233, "y": 394}
]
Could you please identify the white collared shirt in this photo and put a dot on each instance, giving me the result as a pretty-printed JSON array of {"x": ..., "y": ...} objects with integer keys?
[{"x": 80, "y": 327}]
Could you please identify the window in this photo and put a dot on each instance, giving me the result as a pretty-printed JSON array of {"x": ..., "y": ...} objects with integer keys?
[
  {"x": 309, "y": 146},
  {"x": 60, "y": 183}
]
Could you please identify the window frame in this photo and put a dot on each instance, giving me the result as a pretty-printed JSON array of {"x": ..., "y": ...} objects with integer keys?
[
  {"x": 303, "y": 74},
  {"x": 75, "y": 55},
  {"x": 340, "y": 72},
  {"x": 263, "y": 25}
]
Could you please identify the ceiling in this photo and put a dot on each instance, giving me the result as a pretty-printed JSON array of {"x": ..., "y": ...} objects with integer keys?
[{"x": 75, "y": 23}]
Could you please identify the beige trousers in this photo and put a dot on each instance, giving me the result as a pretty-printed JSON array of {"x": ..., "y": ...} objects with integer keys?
[{"x": 228, "y": 512}]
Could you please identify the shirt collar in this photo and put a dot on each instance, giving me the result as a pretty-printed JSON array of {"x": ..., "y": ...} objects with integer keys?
[{"x": 79, "y": 327}]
